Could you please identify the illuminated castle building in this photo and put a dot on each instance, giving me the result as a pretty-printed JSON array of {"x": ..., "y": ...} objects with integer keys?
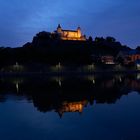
[{"x": 70, "y": 34}]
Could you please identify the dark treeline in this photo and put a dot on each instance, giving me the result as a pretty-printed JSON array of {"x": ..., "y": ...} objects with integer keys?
[{"x": 47, "y": 48}]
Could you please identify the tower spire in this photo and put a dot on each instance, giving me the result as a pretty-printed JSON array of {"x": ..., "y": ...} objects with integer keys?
[
  {"x": 59, "y": 29},
  {"x": 59, "y": 26}
]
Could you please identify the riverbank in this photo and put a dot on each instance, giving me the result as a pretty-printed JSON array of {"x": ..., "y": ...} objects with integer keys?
[{"x": 70, "y": 73}]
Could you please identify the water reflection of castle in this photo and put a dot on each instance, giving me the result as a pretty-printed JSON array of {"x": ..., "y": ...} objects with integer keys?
[
  {"x": 74, "y": 94},
  {"x": 72, "y": 107}
]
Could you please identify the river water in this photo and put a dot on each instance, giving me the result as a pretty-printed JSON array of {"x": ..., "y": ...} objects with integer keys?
[{"x": 91, "y": 107}]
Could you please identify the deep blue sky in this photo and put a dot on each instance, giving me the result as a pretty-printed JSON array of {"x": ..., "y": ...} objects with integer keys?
[{"x": 20, "y": 20}]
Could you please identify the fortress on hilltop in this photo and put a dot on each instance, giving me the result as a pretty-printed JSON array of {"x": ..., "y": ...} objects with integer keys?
[{"x": 70, "y": 34}]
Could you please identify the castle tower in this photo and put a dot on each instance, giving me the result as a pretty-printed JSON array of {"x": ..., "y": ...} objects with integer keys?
[
  {"x": 79, "y": 32},
  {"x": 59, "y": 29}
]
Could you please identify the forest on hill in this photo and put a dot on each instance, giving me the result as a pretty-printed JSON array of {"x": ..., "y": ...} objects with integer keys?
[{"x": 46, "y": 48}]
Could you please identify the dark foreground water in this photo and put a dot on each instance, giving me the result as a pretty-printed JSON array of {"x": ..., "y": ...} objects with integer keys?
[{"x": 97, "y": 107}]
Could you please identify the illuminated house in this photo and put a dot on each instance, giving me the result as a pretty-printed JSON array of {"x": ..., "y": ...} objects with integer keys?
[
  {"x": 107, "y": 59},
  {"x": 70, "y": 34},
  {"x": 129, "y": 56}
]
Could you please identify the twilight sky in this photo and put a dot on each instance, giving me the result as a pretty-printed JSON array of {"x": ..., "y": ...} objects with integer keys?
[{"x": 20, "y": 20}]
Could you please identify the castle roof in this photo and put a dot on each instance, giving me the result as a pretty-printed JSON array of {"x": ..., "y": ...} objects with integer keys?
[
  {"x": 59, "y": 26},
  {"x": 70, "y": 30},
  {"x": 131, "y": 52}
]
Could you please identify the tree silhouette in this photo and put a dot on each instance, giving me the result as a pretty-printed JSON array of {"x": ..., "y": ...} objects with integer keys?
[
  {"x": 110, "y": 39},
  {"x": 90, "y": 39}
]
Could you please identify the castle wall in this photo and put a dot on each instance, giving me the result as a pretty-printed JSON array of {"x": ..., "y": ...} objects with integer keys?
[{"x": 70, "y": 35}]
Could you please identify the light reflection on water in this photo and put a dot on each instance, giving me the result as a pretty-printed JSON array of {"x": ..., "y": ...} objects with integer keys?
[{"x": 87, "y": 107}]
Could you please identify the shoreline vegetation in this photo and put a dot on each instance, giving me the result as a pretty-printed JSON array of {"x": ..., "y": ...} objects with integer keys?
[{"x": 48, "y": 54}]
